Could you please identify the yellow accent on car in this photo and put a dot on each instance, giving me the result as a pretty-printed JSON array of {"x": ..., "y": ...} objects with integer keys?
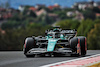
[{"x": 60, "y": 46}]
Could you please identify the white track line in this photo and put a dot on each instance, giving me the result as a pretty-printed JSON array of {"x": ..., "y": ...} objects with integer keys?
[{"x": 69, "y": 61}]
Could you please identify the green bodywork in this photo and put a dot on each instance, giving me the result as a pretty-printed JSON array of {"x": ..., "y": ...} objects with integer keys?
[
  {"x": 51, "y": 44},
  {"x": 52, "y": 40}
]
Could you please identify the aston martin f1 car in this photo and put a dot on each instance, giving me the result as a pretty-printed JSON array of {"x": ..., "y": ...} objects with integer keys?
[{"x": 56, "y": 42}]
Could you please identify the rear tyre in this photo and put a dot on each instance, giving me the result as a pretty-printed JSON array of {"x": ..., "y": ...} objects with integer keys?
[
  {"x": 78, "y": 47},
  {"x": 29, "y": 44}
]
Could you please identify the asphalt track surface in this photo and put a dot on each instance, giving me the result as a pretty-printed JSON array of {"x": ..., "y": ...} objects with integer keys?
[{"x": 17, "y": 59}]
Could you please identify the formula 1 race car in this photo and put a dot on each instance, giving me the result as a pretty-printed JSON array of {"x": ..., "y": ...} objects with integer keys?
[{"x": 56, "y": 42}]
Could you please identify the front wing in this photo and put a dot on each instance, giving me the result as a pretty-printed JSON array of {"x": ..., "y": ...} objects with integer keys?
[{"x": 61, "y": 51}]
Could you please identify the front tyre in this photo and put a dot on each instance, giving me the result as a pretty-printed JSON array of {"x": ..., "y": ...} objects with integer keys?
[
  {"x": 29, "y": 44},
  {"x": 83, "y": 46},
  {"x": 33, "y": 55}
]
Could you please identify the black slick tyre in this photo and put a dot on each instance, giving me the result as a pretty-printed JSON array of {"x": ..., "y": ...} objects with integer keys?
[
  {"x": 83, "y": 46},
  {"x": 29, "y": 44},
  {"x": 78, "y": 45}
]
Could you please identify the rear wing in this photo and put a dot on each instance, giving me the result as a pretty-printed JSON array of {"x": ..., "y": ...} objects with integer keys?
[
  {"x": 62, "y": 31},
  {"x": 69, "y": 31}
]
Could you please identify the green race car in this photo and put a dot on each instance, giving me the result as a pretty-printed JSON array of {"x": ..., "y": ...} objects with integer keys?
[{"x": 56, "y": 42}]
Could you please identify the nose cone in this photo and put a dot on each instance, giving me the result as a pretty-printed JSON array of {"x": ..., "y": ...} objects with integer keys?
[{"x": 51, "y": 44}]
